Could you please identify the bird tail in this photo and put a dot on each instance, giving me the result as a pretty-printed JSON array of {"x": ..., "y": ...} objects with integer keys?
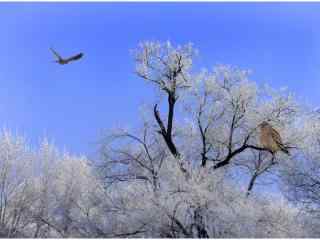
[{"x": 285, "y": 150}]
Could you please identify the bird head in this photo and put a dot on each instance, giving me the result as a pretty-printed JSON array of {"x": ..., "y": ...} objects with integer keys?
[{"x": 263, "y": 124}]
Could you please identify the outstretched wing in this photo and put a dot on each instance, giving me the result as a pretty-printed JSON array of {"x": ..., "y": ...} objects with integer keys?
[
  {"x": 75, "y": 57},
  {"x": 56, "y": 54}
]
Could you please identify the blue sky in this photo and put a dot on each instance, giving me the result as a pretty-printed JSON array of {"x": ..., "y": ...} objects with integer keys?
[{"x": 279, "y": 42}]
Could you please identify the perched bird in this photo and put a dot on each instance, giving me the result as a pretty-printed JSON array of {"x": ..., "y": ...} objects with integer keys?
[
  {"x": 63, "y": 61},
  {"x": 271, "y": 139}
]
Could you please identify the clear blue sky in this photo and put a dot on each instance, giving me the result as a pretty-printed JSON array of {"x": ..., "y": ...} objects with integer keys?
[{"x": 280, "y": 42}]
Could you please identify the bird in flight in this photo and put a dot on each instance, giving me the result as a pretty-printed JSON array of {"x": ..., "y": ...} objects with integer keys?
[
  {"x": 271, "y": 139},
  {"x": 62, "y": 61}
]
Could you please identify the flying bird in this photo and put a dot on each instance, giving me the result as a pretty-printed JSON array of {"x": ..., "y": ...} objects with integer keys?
[
  {"x": 63, "y": 61},
  {"x": 271, "y": 139}
]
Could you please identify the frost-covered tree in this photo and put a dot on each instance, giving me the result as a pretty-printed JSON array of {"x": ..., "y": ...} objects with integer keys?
[
  {"x": 301, "y": 177},
  {"x": 188, "y": 168},
  {"x": 69, "y": 195},
  {"x": 16, "y": 193}
]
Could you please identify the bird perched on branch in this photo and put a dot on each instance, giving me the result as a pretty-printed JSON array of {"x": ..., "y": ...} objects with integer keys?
[
  {"x": 63, "y": 61},
  {"x": 271, "y": 139}
]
